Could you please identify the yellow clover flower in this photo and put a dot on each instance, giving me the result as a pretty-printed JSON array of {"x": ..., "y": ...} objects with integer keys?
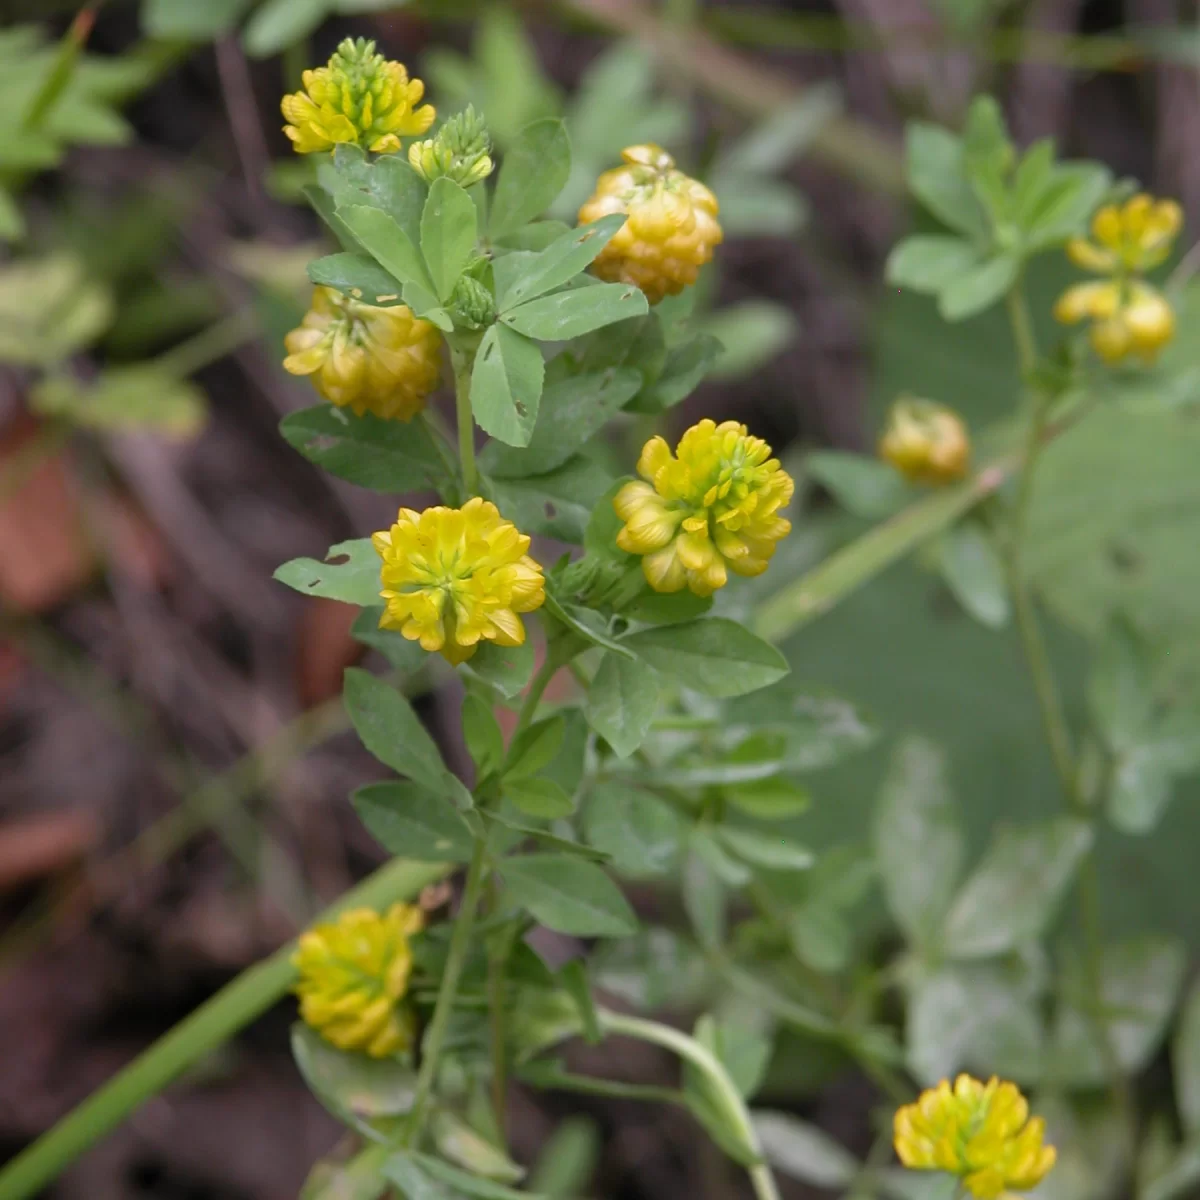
[
  {"x": 353, "y": 976},
  {"x": 358, "y": 96},
  {"x": 926, "y": 442},
  {"x": 672, "y": 227},
  {"x": 453, "y": 577},
  {"x": 1128, "y": 315},
  {"x": 710, "y": 508},
  {"x": 980, "y": 1132},
  {"x": 370, "y": 359}
]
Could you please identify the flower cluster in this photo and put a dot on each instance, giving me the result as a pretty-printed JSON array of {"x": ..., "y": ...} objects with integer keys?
[
  {"x": 453, "y": 577},
  {"x": 1128, "y": 315},
  {"x": 980, "y": 1132},
  {"x": 359, "y": 97},
  {"x": 379, "y": 360},
  {"x": 353, "y": 977},
  {"x": 672, "y": 226},
  {"x": 461, "y": 151},
  {"x": 710, "y": 508},
  {"x": 926, "y": 442}
]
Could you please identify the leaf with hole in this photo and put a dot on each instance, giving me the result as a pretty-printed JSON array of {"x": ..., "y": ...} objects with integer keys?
[{"x": 350, "y": 573}]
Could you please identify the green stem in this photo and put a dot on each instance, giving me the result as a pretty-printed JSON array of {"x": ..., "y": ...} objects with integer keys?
[
  {"x": 1058, "y": 734},
  {"x": 464, "y": 363},
  {"x": 499, "y": 949},
  {"x": 213, "y": 1023},
  {"x": 734, "y": 1108},
  {"x": 456, "y": 958},
  {"x": 209, "y": 345}
]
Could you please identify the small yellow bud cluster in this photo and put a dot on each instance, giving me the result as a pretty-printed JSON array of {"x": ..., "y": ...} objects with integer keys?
[
  {"x": 359, "y": 97},
  {"x": 460, "y": 151},
  {"x": 926, "y": 442},
  {"x": 453, "y": 577},
  {"x": 710, "y": 508},
  {"x": 672, "y": 227},
  {"x": 980, "y": 1132},
  {"x": 1128, "y": 315},
  {"x": 379, "y": 360},
  {"x": 353, "y": 977}
]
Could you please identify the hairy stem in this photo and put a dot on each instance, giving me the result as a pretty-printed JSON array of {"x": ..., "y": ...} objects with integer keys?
[
  {"x": 732, "y": 1106},
  {"x": 212, "y": 1024},
  {"x": 456, "y": 958}
]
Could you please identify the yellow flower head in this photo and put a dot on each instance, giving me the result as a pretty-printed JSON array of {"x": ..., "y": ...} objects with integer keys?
[
  {"x": 353, "y": 976},
  {"x": 709, "y": 508},
  {"x": 672, "y": 226},
  {"x": 358, "y": 96},
  {"x": 926, "y": 442},
  {"x": 379, "y": 360},
  {"x": 1128, "y": 315},
  {"x": 453, "y": 577},
  {"x": 982, "y": 1133}
]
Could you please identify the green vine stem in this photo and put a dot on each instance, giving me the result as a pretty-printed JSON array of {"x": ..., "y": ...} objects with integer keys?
[
  {"x": 464, "y": 363},
  {"x": 1058, "y": 734},
  {"x": 456, "y": 958},
  {"x": 212, "y": 1024},
  {"x": 734, "y": 1108}
]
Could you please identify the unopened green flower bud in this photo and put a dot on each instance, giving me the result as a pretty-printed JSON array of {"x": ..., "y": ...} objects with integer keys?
[
  {"x": 471, "y": 304},
  {"x": 461, "y": 151}
]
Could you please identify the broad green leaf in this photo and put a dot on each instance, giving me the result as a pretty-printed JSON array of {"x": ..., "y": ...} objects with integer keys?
[
  {"x": 358, "y": 276},
  {"x": 532, "y": 174},
  {"x": 568, "y": 1159},
  {"x": 936, "y": 175},
  {"x": 569, "y": 895},
  {"x": 930, "y": 263},
  {"x": 715, "y": 656},
  {"x": 563, "y": 316},
  {"x": 423, "y": 1177},
  {"x": 461, "y": 1144},
  {"x": 621, "y": 702},
  {"x": 751, "y": 334},
  {"x": 566, "y": 768},
  {"x": 971, "y": 567},
  {"x": 558, "y": 504},
  {"x": 641, "y": 833},
  {"x": 355, "y": 1178},
  {"x": 804, "y": 1151},
  {"x": 773, "y": 799},
  {"x": 129, "y": 398},
  {"x": 982, "y": 1017},
  {"x": 506, "y": 668},
  {"x": 685, "y": 366},
  {"x": 190, "y": 22},
  {"x": 535, "y": 748},
  {"x": 863, "y": 486},
  {"x": 278, "y": 24},
  {"x": 404, "y": 654},
  {"x": 762, "y": 849},
  {"x": 387, "y": 243},
  {"x": 540, "y": 835},
  {"x": 1120, "y": 694},
  {"x": 539, "y": 798},
  {"x": 724, "y": 867},
  {"x": 663, "y": 608},
  {"x": 1139, "y": 789},
  {"x": 520, "y": 278},
  {"x": 638, "y": 343},
  {"x": 411, "y": 821},
  {"x": 1014, "y": 892},
  {"x": 386, "y": 182},
  {"x": 392, "y": 732},
  {"x": 448, "y": 234},
  {"x": 1139, "y": 986},
  {"x": 353, "y": 1087},
  {"x": 350, "y": 573},
  {"x": 978, "y": 288},
  {"x": 587, "y": 624},
  {"x": 917, "y": 821},
  {"x": 482, "y": 733},
  {"x": 1185, "y": 1063},
  {"x": 506, "y": 385},
  {"x": 386, "y": 456},
  {"x": 540, "y": 235},
  {"x": 571, "y": 411},
  {"x": 1063, "y": 206}
]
